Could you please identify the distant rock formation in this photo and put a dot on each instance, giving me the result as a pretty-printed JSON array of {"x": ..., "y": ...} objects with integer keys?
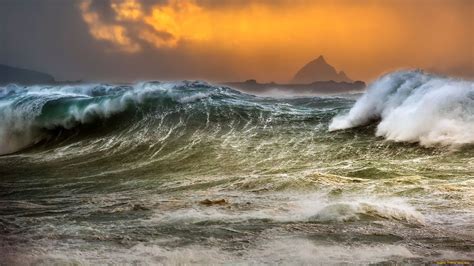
[
  {"x": 318, "y": 87},
  {"x": 319, "y": 70},
  {"x": 10, "y": 74}
]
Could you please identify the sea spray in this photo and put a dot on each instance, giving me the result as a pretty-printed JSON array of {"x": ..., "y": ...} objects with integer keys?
[
  {"x": 28, "y": 113},
  {"x": 414, "y": 106}
]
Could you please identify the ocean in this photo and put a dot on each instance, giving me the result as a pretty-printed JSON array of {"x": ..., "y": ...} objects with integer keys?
[{"x": 194, "y": 173}]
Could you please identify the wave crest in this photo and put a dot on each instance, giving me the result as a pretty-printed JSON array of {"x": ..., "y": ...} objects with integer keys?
[
  {"x": 27, "y": 113},
  {"x": 413, "y": 106}
]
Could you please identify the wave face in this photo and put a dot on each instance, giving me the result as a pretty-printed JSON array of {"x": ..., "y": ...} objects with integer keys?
[
  {"x": 413, "y": 106},
  {"x": 33, "y": 114}
]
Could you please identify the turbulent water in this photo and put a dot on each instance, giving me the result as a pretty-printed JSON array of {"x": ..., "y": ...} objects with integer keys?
[{"x": 189, "y": 172}]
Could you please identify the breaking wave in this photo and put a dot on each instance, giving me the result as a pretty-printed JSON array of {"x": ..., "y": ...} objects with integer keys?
[
  {"x": 314, "y": 208},
  {"x": 40, "y": 114},
  {"x": 28, "y": 115},
  {"x": 414, "y": 106},
  {"x": 411, "y": 106}
]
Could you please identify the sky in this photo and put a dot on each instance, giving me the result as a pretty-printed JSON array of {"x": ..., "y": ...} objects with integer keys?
[{"x": 231, "y": 40}]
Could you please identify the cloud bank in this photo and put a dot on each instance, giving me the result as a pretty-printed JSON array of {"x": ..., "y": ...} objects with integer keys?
[{"x": 231, "y": 40}]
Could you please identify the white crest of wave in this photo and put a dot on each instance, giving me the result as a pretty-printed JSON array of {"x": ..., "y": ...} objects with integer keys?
[
  {"x": 18, "y": 114},
  {"x": 20, "y": 107},
  {"x": 413, "y": 106}
]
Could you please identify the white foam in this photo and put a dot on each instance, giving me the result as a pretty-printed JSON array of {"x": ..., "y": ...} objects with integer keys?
[
  {"x": 315, "y": 207},
  {"x": 286, "y": 251},
  {"x": 350, "y": 211},
  {"x": 413, "y": 106},
  {"x": 306, "y": 252},
  {"x": 20, "y": 107}
]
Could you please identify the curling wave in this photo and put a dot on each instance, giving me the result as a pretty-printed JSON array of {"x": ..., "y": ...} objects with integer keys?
[
  {"x": 51, "y": 114},
  {"x": 29, "y": 114},
  {"x": 413, "y": 106}
]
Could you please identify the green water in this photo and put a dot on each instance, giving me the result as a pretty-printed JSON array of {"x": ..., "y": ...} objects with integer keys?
[{"x": 129, "y": 188}]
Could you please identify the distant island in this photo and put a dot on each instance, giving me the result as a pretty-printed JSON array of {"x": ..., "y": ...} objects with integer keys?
[
  {"x": 316, "y": 77},
  {"x": 319, "y": 70},
  {"x": 9, "y": 74}
]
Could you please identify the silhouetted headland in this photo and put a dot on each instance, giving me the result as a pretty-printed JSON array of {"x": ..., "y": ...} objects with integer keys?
[
  {"x": 9, "y": 74},
  {"x": 316, "y": 77},
  {"x": 319, "y": 70}
]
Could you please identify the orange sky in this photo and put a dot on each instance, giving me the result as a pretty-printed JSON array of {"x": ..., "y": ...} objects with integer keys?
[{"x": 270, "y": 40}]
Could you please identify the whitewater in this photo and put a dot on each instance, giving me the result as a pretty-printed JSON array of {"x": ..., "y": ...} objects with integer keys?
[
  {"x": 196, "y": 173},
  {"x": 416, "y": 107}
]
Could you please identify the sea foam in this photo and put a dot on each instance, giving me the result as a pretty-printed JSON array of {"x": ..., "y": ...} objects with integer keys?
[
  {"x": 24, "y": 121},
  {"x": 413, "y": 106}
]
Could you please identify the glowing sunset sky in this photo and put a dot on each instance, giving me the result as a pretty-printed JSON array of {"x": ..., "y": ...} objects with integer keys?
[{"x": 267, "y": 40}]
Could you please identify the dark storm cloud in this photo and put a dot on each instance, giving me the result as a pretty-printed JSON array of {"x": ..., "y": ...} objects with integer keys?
[
  {"x": 52, "y": 36},
  {"x": 45, "y": 35},
  {"x": 104, "y": 9}
]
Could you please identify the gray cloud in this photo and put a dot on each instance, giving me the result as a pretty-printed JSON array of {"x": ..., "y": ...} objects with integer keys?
[{"x": 51, "y": 36}]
